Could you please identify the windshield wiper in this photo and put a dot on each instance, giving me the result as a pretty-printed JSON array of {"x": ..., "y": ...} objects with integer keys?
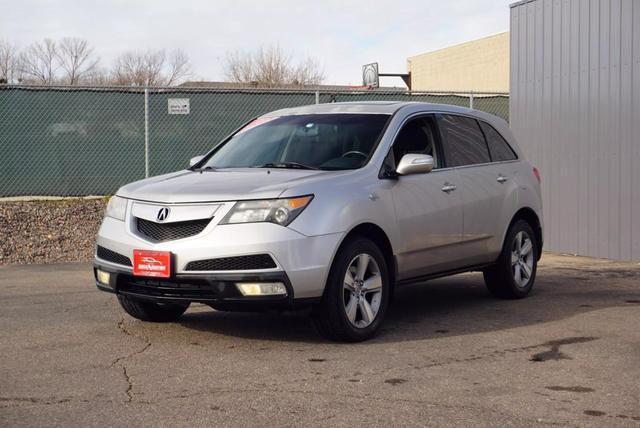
[{"x": 292, "y": 165}]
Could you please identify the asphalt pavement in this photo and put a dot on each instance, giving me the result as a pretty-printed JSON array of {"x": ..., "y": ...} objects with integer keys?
[{"x": 448, "y": 355}]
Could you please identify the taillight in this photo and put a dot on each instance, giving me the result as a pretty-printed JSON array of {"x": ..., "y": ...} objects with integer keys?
[{"x": 537, "y": 174}]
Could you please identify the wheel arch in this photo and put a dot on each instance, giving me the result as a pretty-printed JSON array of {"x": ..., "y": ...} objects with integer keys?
[
  {"x": 376, "y": 234},
  {"x": 529, "y": 215}
]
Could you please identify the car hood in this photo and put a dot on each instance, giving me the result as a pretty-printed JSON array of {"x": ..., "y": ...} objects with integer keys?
[{"x": 219, "y": 185}]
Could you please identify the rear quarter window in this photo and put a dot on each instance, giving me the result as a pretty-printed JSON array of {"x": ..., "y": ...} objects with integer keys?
[{"x": 498, "y": 146}]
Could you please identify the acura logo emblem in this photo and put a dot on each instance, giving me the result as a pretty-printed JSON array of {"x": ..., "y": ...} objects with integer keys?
[{"x": 163, "y": 214}]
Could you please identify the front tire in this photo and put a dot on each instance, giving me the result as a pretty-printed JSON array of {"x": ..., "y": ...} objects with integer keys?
[
  {"x": 151, "y": 311},
  {"x": 514, "y": 274},
  {"x": 356, "y": 295}
]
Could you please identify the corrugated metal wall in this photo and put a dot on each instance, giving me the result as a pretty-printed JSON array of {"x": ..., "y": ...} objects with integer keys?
[{"x": 575, "y": 108}]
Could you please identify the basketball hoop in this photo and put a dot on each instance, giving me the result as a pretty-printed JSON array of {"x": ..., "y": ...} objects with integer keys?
[{"x": 370, "y": 75}]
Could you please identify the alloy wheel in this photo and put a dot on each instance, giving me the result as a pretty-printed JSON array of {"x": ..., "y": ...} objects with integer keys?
[
  {"x": 362, "y": 290},
  {"x": 522, "y": 259}
]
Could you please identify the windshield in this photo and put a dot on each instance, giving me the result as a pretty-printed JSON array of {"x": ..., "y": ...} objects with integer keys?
[{"x": 316, "y": 141}]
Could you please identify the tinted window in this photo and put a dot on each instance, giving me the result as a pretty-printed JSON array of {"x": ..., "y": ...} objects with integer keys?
[
  {"x": 416, "y": 136},
  {"x": 324, "y": 141},
  {"x": 463, "y": 141},
  {"x": 498, "y": 147}
]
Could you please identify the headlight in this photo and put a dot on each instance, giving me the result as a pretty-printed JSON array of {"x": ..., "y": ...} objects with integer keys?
[
  {"x": 279, "y": 211},
  {"x": 116, "y": 208}
]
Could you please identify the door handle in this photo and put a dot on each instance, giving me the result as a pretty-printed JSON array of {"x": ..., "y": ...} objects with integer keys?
[
  {"x": 448, "y": 188},
  {"x": 501, "y": 179}
]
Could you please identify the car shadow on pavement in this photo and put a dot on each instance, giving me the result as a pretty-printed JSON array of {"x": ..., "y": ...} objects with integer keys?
[{"x": 458, "y": 305}]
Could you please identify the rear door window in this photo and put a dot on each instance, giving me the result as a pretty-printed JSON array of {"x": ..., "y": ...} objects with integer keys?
[
  {"x": 463, "y": 141},
  {"x": 498, "y": 147}
]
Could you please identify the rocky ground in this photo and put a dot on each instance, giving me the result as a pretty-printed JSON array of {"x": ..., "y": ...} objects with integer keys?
[{"x": 49, "y": 231}]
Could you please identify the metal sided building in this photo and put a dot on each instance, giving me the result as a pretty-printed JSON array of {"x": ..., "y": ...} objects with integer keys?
[{"x": 575, "y": 108}]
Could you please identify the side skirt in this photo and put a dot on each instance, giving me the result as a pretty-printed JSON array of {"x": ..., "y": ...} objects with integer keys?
[{"x": 423, "y": 278}]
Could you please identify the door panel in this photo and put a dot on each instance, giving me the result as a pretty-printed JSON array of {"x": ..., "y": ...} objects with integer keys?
[
  {"x": 429, "y": 221},
  {"x": 486, "y": 203},
  {"x": 484, "y": 186}
]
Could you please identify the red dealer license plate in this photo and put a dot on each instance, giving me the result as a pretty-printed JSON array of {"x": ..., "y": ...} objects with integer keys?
[{"x": 152, "y": 263}]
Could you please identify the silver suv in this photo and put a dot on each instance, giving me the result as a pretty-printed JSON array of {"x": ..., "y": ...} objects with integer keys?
[{"x": 330, "y": 206}]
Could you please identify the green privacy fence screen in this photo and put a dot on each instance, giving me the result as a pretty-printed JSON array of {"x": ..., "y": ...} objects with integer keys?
[{"x": 90, "y": 141}]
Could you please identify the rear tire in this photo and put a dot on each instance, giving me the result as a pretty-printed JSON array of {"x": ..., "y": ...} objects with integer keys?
[
  {"x": 514, "y": 274},
  {"x": 356, "y": 294},
  {"x": 151, "y": 311}
]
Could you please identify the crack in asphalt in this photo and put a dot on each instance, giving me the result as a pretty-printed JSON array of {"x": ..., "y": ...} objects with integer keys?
[
  {"x": 129, "y": 390},
  {"x": 6, "y": 402},
  {"x": 122, "y": 359},
  {"x": 553, "y": 344},
  {"x": 16, "y": 401},
  {"x": 133, "y": 354},
  {"x": 348, "y": 397},
  {"x": 21, "y": 401},
  {"x": 479, "y": 356}
]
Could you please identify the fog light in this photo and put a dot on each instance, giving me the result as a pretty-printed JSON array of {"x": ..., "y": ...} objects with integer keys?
[
  {"x": 103, "y": 277},
  {"x": 262, "y": 288}
]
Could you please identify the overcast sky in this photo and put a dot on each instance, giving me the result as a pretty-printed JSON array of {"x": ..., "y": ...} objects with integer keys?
[{"x": 342, "y": 35}]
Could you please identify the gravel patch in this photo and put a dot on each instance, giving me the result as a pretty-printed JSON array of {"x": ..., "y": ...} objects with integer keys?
[{"x": 49, "y": 231}]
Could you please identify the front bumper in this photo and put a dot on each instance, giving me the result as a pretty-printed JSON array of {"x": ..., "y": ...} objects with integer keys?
[
  {"x": 301, "y": 262},
  {"x": 219, "y": 290}
]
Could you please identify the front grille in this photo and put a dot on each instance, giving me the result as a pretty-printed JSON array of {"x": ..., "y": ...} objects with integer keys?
[
  {"x": 160, "y": 232},
  {"x": 113, "y": 257},
  {"x": 192, "y": 289},
  {"x": 253, "y": 262}
]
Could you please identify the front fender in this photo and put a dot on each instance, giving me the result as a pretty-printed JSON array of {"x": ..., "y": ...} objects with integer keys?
[{"x": 339, "y": 207}]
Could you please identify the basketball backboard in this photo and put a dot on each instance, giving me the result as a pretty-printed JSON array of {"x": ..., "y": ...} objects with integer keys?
[{"x": 370, "y": 77}]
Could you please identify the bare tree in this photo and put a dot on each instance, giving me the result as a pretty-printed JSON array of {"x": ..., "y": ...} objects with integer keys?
[
  {"x": 178, "y": 67},
  {"x": 76, "y": 59},
  {"x": 39, "y": 62},
  {"x": 271, "y": 66},
  {"x": 151, "y": 68},
  {"x": 239, "y": 67},
  {"x": 9, "y": 62},
  {"x": 97, "y": 76},
  {"x": 135, "y": 69},
  {"x": 308, "y": 72}
]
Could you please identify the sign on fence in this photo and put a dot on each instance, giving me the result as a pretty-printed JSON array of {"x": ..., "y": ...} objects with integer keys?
[{"x": 178, "y": 105}]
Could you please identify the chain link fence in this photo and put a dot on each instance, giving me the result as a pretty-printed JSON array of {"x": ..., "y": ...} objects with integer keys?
[{"x": 69, "y": 141}]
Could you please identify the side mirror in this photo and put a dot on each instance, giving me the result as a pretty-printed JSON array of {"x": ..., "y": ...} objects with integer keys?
[
  {"x": 413, "y": 163},
  {"x": 195, "y": 160}
]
